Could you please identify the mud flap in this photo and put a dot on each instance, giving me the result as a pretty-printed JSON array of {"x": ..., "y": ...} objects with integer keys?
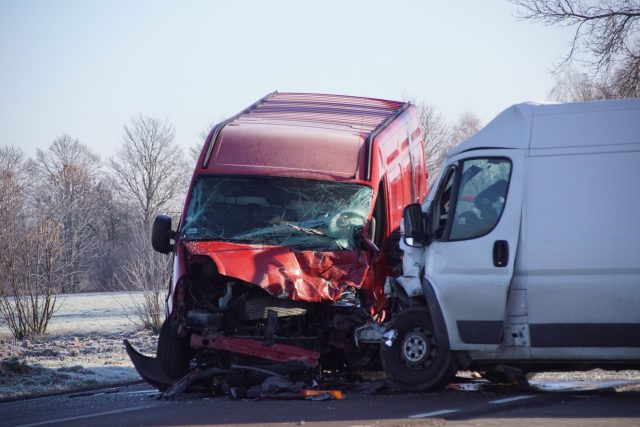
[{"x": 148, "y": 368}]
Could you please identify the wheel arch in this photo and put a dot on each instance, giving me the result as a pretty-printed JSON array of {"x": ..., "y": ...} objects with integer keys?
[
  {"x": 437, "y": 316},
  {"x": 439, "y": 324}
]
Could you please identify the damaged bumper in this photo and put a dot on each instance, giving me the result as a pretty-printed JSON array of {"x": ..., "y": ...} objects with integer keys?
[
  {"x": 250, "y": 347},
  {"x": 148, "y": 368}
]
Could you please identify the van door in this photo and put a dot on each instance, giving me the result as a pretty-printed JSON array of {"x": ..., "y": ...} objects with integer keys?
[{"x": 474, "y": 223}]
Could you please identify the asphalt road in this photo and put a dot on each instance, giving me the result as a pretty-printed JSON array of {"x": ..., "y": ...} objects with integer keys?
[{"x": 579, "y": 403}]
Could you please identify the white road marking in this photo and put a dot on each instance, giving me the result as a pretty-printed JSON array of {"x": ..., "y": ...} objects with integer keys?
[
  {"x": 99, "y": 414},
  {"x": 511, "y": 399},
  {"x": 434, "y": 413}
]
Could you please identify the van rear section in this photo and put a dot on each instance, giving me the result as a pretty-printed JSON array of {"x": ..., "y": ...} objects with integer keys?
[{"x": 287, "y": 233}]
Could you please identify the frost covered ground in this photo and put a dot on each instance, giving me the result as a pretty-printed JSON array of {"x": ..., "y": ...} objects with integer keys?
[{"x": 83, "y": 348}]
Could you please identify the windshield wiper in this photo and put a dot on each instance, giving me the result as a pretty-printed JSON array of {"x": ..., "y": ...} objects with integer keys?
[{"x": 313, "y": 231}]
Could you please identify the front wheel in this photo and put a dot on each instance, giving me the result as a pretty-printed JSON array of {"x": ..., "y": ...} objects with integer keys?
[
  {"x": 174, "y": 352},
  {"x": 416, "y": 361}
]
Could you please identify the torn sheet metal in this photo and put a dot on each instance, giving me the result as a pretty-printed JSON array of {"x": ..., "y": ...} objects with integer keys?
[{"x": 298, "y": 275}]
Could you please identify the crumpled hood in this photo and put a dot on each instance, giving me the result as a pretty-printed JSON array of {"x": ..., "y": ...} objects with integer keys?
[{"x": 286, "y": 273}]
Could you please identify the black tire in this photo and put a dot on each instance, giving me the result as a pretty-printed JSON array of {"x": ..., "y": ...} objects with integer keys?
[
  {"x": 416, "y": 361},
  {"x": 174, "y": 352}
]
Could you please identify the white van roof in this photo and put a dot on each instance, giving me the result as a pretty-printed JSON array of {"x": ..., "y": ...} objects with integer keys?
[{"x": 534, "y": 126}]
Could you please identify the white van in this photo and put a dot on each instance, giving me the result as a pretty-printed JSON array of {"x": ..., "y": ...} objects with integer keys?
[{"x": 527, "y": 251}]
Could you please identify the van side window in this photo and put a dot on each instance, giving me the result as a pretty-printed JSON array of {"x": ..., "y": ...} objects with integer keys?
[
  {"x": 442, "y": 205},
  {"x": 481, "y": 197}
]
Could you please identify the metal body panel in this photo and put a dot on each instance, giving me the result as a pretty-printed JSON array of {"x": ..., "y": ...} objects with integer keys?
[{"x": 581, "y": 237}]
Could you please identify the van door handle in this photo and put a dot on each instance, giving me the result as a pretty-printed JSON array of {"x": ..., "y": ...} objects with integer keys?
[{"x": 501, "y": 253}]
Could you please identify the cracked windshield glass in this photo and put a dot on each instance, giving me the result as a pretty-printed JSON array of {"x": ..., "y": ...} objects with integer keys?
[{"x": 298, "y": 213}]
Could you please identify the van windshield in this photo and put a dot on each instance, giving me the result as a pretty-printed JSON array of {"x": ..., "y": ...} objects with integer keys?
[{"x": 298, "y": 213}]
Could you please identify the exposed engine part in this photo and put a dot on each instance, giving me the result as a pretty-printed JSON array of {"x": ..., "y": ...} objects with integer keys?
[
  {"x": 348, "y": 298},
  {"x": 205, "y": 319},
  {"x": 257, "y": 308},
  {"x": 371, "y": 333},
  {"x": 389, "y": 337},
  {"x": 270, "y": 329},
  {"x": 224, "y": 300},
  {"x": 204, "y": 287}
]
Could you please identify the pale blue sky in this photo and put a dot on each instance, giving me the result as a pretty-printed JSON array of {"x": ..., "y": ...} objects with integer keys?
[{"x": 86, "y": 67}]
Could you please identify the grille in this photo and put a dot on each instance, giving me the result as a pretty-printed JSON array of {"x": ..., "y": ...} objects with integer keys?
[{"x": 256, "y": 308}]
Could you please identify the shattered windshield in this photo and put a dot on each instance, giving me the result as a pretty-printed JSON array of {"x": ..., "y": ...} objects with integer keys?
[{"x": 298, "y": 213}]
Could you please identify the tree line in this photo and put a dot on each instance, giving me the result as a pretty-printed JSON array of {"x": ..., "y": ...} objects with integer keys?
[{"x": 71, "y": 222}]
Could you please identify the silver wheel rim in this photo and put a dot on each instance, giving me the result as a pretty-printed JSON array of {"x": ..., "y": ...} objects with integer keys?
[{"x": 415, "y": 346}]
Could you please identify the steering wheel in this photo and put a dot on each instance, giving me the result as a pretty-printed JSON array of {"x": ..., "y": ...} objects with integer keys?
[
  {"x": 468, "y": 218},
  {"x": 347, "y": 220}
]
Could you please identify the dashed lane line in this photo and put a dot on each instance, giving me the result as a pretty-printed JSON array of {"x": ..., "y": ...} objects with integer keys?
[
  {"x": 434, "y": 413},
  {"x": 452, "y": 411},
  {"x": 512, "y": 399},
  {"x": 97, "y": 414}
]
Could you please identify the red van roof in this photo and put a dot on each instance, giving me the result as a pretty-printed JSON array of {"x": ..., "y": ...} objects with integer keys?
[
  {"x": 350, "y": 113},
  {"x": 300, "y": 134}
]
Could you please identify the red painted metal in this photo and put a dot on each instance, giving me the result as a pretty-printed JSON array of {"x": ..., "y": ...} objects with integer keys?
[
  {"x": 285, "y": 273},
  {"x": 300, "y": 135},
  {"x": 251, "y": 347}
]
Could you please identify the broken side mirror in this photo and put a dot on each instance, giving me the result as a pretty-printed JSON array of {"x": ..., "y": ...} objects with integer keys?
[
  {"x": 161, "y": 234},
  {"x": 413, "y": 227}
]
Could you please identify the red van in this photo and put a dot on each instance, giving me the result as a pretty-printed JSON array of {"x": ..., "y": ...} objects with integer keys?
[{"x": 279, "y": 254}]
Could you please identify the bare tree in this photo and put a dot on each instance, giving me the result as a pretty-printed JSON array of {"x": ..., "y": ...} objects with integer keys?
[
  {"x": 468, "y": 125},
  {"x": 605, "y": 37},
  {"x": 194, "y": 152},
  {"x": 574, "y": 86},
  {"x": 32, "y": 280},
  {"x": 149, "y": 169},
  {"x": 440, "y": 136},
  {"x": 150, "y": 176},
  {"x": 436, "y": 133},
  {"x": 111, "y": 226},
  {"x": 67, "y": 174},
  {"x": 195, "y": 149},
  {"x": 13, "y": 182},
  {"x": 33, "y": 266},
  {"x": 149, "y": 272}
]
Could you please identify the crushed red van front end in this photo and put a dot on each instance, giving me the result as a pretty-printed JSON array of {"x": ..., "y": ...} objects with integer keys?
[{"x": 288, "y": 233}]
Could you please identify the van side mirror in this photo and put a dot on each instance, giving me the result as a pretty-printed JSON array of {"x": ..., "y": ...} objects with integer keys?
[
  {"x": 413, "y": 227},
  {"x": 161, "y": 234}
]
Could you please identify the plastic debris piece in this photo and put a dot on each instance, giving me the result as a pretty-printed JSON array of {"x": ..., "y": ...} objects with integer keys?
[
  {"x": 280, "y": 384},
  {"x": 333, "y": 394}
]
